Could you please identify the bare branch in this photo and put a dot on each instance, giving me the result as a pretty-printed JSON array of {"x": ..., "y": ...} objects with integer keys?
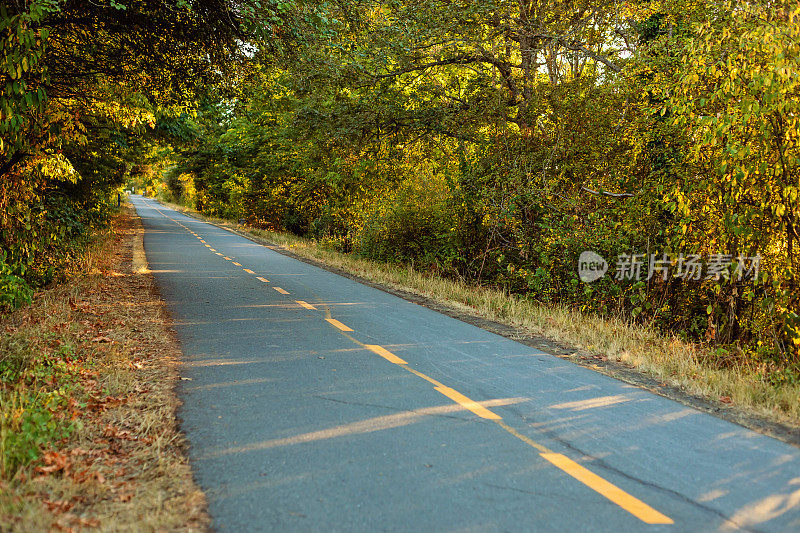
[
  {"x": 458, "y": 60},
  {"x": 606, "y": 193}
]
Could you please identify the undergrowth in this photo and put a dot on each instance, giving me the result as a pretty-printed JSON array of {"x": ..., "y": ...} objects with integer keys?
[{"x": 88, "y": 436}]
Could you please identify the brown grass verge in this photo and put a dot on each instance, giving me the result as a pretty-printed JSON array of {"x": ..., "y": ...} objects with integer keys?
[
  {"x": 124, "y": 467},
  {"x": 683, "y": 371}
]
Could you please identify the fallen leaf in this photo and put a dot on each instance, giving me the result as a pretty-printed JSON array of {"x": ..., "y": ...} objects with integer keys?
[
  {"x": 86, "y": 475},
  {"x": 59, "y": 506},
  {"x": 54, "y": 462},
  {"x": 101, "y": 339},
  {"x": 725, "y": 399}
]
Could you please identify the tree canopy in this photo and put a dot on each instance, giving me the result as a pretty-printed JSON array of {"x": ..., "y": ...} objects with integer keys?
[{"x": 88, "y": 89}]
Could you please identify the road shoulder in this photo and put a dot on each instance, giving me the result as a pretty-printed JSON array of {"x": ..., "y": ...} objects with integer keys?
[{"x": 121, "y": 463}]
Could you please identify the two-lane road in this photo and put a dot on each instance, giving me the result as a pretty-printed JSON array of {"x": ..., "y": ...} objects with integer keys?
[{"x": 315, "y": 403}]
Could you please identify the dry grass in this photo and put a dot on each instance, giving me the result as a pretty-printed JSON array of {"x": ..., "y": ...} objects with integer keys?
[
  {"x": 124, "y": 467},
  {"x": 739, "y": 389}
]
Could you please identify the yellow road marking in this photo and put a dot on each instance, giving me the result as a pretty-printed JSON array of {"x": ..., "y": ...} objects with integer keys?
[
  {"x": 386, "y": 354},
  {"x": 265, "y": 280},
  {"x": 335, "y": 323},
  {"x": 280, "y": 290},
  {"x": 465, "y": 402},
  {"x": 305, "y": 304},
  {"x": 248, "y": 271},
  {"x": 228, "y": 258},
  {"x": 219, "y": 254},
  {"x": 636, "y": 507},
  {"x": 237, "y": 264},
  {"x": 201, "y": 240}
]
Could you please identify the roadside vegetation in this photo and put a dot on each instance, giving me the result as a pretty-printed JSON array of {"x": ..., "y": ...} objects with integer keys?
[{"x": 88, "y": 436}]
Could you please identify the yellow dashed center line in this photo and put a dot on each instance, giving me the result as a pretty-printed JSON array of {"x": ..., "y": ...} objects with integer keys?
[
  {"x": 305, "y": 304},
  {"x": 386, "y": 354},
  {"x": 280, "y": 290},
  {"x": 227, "y": 258},
  {"x": 466, "y": 403},
  {"x": 636, "y": 507},
  {"x": 248, "y": 271},
  {"x": 237, "y": 264},
  {"x": 608, "y": 490},
  {"x": 219, "y": 254},
  {"x": 335, "y": 323},
  {"x": 265, "y": 280}
]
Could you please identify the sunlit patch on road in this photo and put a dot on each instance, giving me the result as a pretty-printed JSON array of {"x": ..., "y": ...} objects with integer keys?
[
  {"x": 592, "y": 403},
  {"x": 355, "y": 428}
]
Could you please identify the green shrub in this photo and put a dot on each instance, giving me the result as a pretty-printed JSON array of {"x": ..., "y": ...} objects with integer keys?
[{"x": 14, "y": 291}]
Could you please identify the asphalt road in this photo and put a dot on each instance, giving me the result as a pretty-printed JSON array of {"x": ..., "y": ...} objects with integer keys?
[{"x": 315, "y": 403}]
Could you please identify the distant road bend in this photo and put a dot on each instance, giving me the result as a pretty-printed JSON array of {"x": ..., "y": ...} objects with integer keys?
[{"x": 315, "y": 403}]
